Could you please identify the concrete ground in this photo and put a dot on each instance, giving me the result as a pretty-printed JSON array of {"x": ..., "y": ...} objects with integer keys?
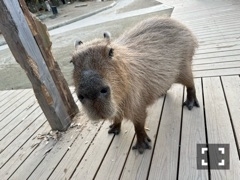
[
  {"x": 68, "y": 13},
  {"x": 13, "y": 77}
]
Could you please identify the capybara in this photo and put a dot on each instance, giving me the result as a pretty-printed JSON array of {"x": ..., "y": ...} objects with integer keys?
[{"x": 121, "y": 78}]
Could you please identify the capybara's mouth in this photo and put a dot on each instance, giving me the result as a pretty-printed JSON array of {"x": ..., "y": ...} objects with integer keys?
[
  {"x": 97, "y": 115},
  {"x": 98, "y": 111}
]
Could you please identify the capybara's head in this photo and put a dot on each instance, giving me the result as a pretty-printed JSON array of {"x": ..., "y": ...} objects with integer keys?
[{"x": 98, "y": 77}]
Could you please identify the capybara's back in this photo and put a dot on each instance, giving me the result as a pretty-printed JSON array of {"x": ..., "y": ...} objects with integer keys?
[
  {"x": 162, "y": 50},
  {"x": 119, "y": 79}
]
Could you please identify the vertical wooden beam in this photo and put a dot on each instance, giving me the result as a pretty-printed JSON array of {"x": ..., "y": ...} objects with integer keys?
[{"x": 29, "y": 42}]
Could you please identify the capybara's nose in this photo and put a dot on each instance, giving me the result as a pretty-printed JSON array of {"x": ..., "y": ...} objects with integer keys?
[
  {"x": 94, "y": 93},
  {"x": 92, "y": 86}
]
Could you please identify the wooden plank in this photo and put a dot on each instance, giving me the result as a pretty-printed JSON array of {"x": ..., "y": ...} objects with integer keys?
[
  {"x": 229, "y": 47},
  {"x": 8, "y": 115},
  {"x": 165, "y": 158},
  {"x": 37, "y": 156},
  {"x": 215, "y": 14},
  {"x": 215, "y": 38},
  {"x": 230, "y": 18},
  {"x": 184, "y": 13},
  {"x": 14, "y": 104},
  {"x": 39, "y": 147},
  {"x": 209, "y": 36},
  {"x": 5, "y": 103},
  {"x": 224, "y": 65},
  {"x": 220, "y": 31},
  {"x": 46, "y": 164},
  {"x": 32, "y": 145},
  {"x": 136, "y": 166},
  {"x": 223, "y": 45},
  {"x": 225, "y": 12},
  {"x": 10, "y": 104},
  {"x": 85, "y": 155},
  {"x": 219, "y": 129},
  {"x": 2, "y": 92},
  {"x": 216, "y": 54},
  {"x": 220, "y": 15},
  {"x": 113, "y": 162},
  {"x": 217, "y": 60},
  {"x": 214, "y": 24},
  {"x": 9, "y": 94},
  {"x": 224, "y": 35},
  {"x": 197, "y": 9},
  {"x": 231, "y": 86},
  {"x": 203, "y": 43},
  {"x": 193, "y": 132},
  {"x": 95, "y": 154},
  {"x": 5, "y": 94},
  {"x": 4, "y": 142},
  {"x": 20, "y": 141},
  {"x": 217, "y": 26},
  {"x": 217, "y": 72},
  {"x": 20, "y": 118}
]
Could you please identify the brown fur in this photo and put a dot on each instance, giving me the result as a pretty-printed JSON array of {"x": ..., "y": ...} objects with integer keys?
[{"x": 146, "y": 61}]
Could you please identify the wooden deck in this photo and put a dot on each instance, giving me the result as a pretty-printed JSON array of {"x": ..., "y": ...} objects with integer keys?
[{"x": 28, "y": 150}]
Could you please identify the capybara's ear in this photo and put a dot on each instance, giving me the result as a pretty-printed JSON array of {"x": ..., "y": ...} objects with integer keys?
[
  {"x": 77, "y": 43},
  {"x": 107, "y": 35},
  {"x": 110, "y": 53},
  {"x": 72, "y": 61}
]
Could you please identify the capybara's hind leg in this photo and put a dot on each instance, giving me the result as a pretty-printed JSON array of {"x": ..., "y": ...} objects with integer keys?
[
  {"x": 143, "y": 141},
  {"x": 191, "y": 98},
  {"x": 115, "y": 128},
  {"x": 186, "y": 78}
]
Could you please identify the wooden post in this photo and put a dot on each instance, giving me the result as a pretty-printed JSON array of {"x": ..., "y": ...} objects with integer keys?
[{"x": 29, "y": 42}]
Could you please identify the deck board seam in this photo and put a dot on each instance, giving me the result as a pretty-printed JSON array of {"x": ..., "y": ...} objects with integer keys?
[
  {"x": 231, "y": 120},
  {"x": 205, "y": 125},
  {"x": 156, "y": 135}
]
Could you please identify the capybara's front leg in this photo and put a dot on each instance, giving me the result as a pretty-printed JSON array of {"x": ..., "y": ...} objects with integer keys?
[
  {"x": 115, "y": 128},
  {"x": 143, "y": 141}
]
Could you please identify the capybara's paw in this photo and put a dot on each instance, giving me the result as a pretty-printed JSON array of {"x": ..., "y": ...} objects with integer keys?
[
  {"x": 114, "y": 129},
  {"x": 191, "y": 103},
  {"x": 142, "y": 145}
]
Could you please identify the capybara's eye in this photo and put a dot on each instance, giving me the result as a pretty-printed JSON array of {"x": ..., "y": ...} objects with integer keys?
[
  {"x": 110, "y": 53},
  {"x": 71, "y": 61}
]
